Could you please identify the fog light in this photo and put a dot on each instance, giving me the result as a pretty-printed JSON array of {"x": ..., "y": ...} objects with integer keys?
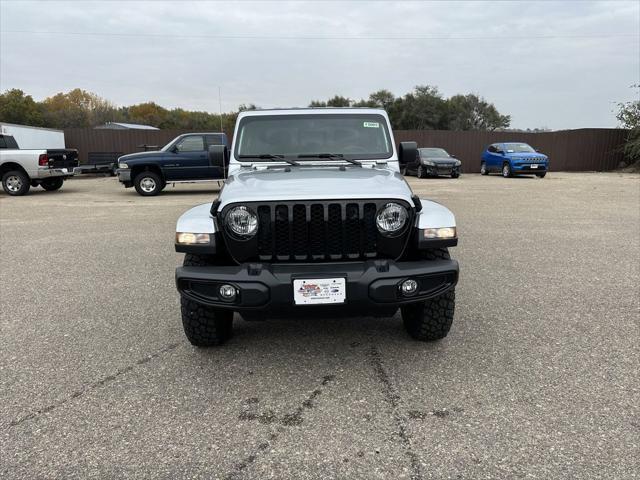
[
  {"x": 227, "y": 292},
  {"x": 409, "y": 287}
]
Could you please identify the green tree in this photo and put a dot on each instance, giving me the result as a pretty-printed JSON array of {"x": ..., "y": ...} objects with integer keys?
[
  {"x": 148, "y": 113},
  {"x": 422, "y": 109},
  {"x": 629, "y": 117},
  {"x": 78, "y": 108},
  {"x": 16, "y": 107},
  {"x": 471, "y": 112},
  {"x": 335, "y": 101}
]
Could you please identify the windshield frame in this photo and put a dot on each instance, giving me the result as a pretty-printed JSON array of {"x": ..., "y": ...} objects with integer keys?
[{"x": 366, "y": 117}]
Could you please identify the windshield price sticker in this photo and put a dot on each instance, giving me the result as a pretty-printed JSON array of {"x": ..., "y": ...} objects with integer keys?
[{"x": 371, "y": 125}]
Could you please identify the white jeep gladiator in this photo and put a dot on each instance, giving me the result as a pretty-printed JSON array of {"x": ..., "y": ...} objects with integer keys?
[
  {"x": 315, "y": 218},
  {"x": 22, "y": 169}
]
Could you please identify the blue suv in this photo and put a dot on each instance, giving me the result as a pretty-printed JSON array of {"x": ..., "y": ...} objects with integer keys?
[{"x": 513, "y": 159}]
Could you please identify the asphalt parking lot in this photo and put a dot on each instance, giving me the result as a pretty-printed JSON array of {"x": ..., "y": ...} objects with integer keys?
[{"x": 537, "y": 379}]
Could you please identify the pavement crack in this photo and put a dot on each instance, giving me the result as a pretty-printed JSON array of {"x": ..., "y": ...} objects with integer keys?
[
  {"x": 98, "y": 383},
  {"x": 294, "y": 418},
  {"x": 392, "y": 397}
]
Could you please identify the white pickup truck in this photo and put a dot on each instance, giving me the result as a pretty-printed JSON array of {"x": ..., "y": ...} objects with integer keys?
[{"x": 22, "y": 169}]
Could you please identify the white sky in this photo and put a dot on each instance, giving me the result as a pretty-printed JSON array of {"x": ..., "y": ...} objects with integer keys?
[{"x": 546, "y": 63}]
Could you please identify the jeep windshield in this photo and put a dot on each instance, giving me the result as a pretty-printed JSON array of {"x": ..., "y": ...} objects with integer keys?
[
  {"x": 518, "y": 148},
  {"x": 313, "y": 137}
]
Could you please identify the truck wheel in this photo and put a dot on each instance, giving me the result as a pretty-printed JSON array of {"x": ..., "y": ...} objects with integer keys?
[
  {"x": 204, "y": 326},
  {"x": 541, "y": 175},
  {"x": 430, "y": 320},
  {"x": 421, "y": 172},
  {"x": 51, "y": 184},
  {"x": 483, "y": 169},
  {"x": 506, "y": 170},
  {"x": 148, "y": 184},
  {"x": 15, "y": 182}
]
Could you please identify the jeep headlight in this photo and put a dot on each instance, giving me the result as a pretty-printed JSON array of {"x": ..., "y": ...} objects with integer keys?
[
  {"x": 391, "y": 218},
  {"x": 122, "y": 165},
  {"x": 242, "y": 221}
]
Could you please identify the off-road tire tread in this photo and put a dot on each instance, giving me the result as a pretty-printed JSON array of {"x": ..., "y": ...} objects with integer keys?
[
  {"x": 432, "y": 319},
  {"x": 204, "y": 326},
  {"x": 436, "y": 254},
  {"x": 195, "y": 260}
]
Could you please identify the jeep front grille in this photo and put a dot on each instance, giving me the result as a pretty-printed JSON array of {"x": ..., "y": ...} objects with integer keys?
[{"x": 312, "y": 231}]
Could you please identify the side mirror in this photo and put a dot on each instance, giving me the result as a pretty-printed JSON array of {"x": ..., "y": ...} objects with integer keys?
[
  {"x": 407, "y": 152},
  {"x": 453, "y": 156},
  {"x": 218, "y": 156}
]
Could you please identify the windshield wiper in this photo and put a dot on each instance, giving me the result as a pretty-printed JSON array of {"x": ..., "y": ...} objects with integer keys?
[
  {"x": 331, "y": 155},
  {"x": 271, "y": 156}
]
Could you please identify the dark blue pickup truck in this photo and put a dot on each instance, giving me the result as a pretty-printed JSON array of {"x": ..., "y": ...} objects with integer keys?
[{"x": 186, "y": 158}]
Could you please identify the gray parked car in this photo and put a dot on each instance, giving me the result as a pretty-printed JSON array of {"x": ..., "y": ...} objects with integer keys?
[
  {"x": 432, "y": 162},
  {"x": 315, "y": 218}
]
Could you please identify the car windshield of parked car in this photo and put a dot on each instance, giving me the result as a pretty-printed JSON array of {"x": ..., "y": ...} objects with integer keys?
[
  {"x": 313, "y": 136},
  {"x": 518, "y": 148},
  {"x": 433, "y": 152}
]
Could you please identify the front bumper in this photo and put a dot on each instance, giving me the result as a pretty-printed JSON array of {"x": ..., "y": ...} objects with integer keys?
[
  {"x": 526, "y": 168},
  {"x": 370, "y": 285},
  {"x": 124, "y": 176},
  {"x": 441, "y": 169}
]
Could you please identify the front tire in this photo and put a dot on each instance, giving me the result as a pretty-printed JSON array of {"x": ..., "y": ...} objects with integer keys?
[
  {"x": 431, "y": 319},
  {"x": 421, "y": 172},
  {"x": 455, "y": 174},
  {"x": 506, "y": 170},
  {"x": 483, "y": 169},
  {"x": 541, "y": 175},
  {"x": 148, "y": 184},
  {"x": 52, "y": 184},
  {"x": 204, "y": 326},
  {"x": 16, "y": 183}
]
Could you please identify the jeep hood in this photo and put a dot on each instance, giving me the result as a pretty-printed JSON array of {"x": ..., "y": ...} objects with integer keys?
[{"x": 314, "y": 183}]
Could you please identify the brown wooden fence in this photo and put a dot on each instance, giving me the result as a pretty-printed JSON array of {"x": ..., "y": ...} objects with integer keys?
[{"x": 586, "y": 149}]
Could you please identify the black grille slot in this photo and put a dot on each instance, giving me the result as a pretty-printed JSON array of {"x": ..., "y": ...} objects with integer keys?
[
  {"x": 334, "y": 231},
  {"x": 265, "y": 234},
  {"x": 369, "y": 230},
  {"x": 300, "y": 232},
  {"x": 307, "y": 231}
]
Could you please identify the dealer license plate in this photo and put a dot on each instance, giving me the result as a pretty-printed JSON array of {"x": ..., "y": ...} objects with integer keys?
[
  {"x": 534, "y": 165},
  {"x": 318, "y": 291}
]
